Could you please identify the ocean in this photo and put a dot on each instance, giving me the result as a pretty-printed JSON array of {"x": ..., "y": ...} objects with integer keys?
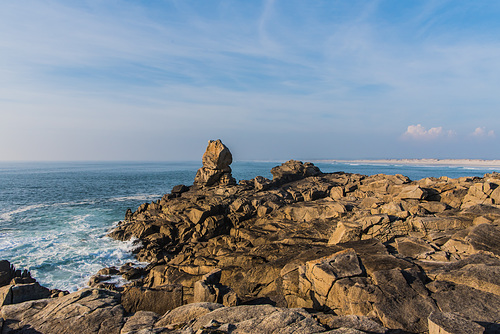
[{"x": 54, "y": 216}]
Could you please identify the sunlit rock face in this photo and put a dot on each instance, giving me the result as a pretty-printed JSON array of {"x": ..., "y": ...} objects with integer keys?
[{"x": 215, "y": 170}]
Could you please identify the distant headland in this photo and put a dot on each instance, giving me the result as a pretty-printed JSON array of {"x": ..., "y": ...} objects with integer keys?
[{"x": 425, "y": 162}]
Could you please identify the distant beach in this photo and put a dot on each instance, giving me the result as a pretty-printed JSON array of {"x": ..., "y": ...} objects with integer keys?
[{"x": 426, "y": 162}]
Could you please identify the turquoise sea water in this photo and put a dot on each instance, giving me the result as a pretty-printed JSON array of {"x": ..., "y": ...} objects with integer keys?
[{"x": 54, "y": 216}]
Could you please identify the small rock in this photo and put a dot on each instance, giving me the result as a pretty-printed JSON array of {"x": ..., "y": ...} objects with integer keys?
[
  {"x": 413, "y": 247},
  {"x": 412, "y": 192},
  {"x": 179, "y": 189},
  {"x": 96, "y": 279},
  {"x": 108, "y": 271},
  {"x": 262, "y": 183}
]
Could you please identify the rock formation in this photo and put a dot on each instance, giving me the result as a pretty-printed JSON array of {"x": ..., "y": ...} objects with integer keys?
[
  {"x": 306, "y": 252},
  {"x": 215, "y": 170},
  {"x": 18, "y": 286}
]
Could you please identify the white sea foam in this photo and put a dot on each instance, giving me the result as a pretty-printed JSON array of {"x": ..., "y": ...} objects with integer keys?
[
  {"x": 431, "y": 166},
  {"x": 59, "y": 233},
  {"x": 139, "y": 197},
  {"x": 475, "y": 168},
  {"x": 75, "y": 203},
  {"x": 67, "y": 257},
  {"x": 68, "y": 264},
  {"x": 7, "y": 216}
]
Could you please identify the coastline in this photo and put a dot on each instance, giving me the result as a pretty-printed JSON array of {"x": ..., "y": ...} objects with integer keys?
[
  {"x": 262, "y": 270},
  {"x": 425, "y": 162}
]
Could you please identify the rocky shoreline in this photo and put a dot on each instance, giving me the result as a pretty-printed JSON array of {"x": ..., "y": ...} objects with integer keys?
[{"x": 305, "y": 252}]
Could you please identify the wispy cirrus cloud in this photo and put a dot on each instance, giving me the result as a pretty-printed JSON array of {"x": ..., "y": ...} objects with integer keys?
[{"x": 249, "y": 69}]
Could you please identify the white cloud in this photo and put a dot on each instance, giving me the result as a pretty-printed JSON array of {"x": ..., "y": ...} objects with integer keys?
[
  {"x": 481, "y": 132},
  {"x": 421, "y": 133}
]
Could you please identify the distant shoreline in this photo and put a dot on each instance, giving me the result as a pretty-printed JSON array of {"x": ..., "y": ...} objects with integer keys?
[{"x": 426, "y": 162}]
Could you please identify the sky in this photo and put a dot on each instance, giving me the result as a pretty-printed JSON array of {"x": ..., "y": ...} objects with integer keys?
[{"x": 274, "y": 80}]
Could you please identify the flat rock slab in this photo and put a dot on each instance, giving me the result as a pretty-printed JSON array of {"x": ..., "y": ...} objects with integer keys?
[
  {"x": 478, "y": 276},
  {"x": 323, "y": 272},
  {"x": 360, "y": 323},
  {"x": 187, "y": 313},
  {"x": 479, "y": 271},
  {"x": 87, "y": 311},
  {"x": 413, "y": 247},
  {"x": 374, "y": 263},
  {"x": 477, "y": 305},
  {"x": 158, "y": 300},
  {"x": 405, "y": 303},
  {"x": 345, "y": 331},
  {"x": 259, "y": 319},
  {"x": 452, "y": 323},
  {"x": 485, "y": 237},
  {"x": 18, "y": 293}
]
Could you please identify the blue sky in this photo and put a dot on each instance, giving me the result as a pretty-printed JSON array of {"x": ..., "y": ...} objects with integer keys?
[{"x": 155, "y": 80}]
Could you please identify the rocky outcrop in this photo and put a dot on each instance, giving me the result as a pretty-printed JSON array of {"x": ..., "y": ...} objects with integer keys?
[
  {"x": 85, "y": 311},
  {"x": 18, "y": 286},
  {"x": 362, "y": 254},
  {"x": 382, "y": 246},
  {"x": 99, "y": 311},
  {"x": 215, "y": 170}
]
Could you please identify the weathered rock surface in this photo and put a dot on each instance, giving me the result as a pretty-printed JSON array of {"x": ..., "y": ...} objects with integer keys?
[
  {"x": 450, "y": 323},
  {"x": 259, "y": 319},
  {"x": 209, "y": 289},
  {"x": 18, "y": 286},
  {"x": 362, "y": 254},
  {"x": 215, "y": 170},
  {"x": 85, "y": 311},
  {"x": 100, "y": 311},
  {"x": 379, "y": 246},
  {"x": 352, "y": 322},
  {"x": 159, "y": 299},
  {"x": 140, "y": 321},
  {"x": 185, "y": 314}
]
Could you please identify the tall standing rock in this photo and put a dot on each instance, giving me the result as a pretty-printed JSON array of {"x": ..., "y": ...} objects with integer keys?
[{"x": 215, "y": 170}]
